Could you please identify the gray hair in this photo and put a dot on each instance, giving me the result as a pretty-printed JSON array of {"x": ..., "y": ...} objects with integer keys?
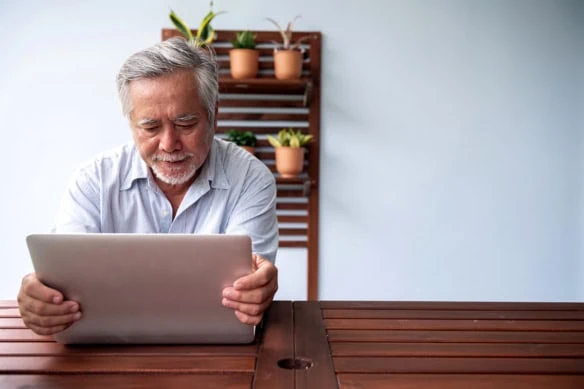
[{"x": 169, "y": 56}]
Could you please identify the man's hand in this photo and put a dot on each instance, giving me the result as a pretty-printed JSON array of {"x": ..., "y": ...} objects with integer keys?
[
  {"x": 251, "y": 295},
  {"x": 43, "y": 309}
]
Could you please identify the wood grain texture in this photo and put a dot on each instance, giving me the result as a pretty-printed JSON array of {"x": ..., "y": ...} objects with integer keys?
[
  {"x": 123, "y": 381},
  {"x": 310, "y": 343},
  {"x": 277, "y": 344},
  {"x": 451, "y": 314},
  {"x": 125, "y": 364},
  {"x": 455, "y": 365},
  {"x": 378, "y": 349},
  {"x": 455, "y": 325},
  {"x": 459, "y": 381},
  {"x": 11, "y": 322},
  {"x": 351, "y": 335},
  {"x": 453, "y": 305},
  {"x": 22, "y": 335}
]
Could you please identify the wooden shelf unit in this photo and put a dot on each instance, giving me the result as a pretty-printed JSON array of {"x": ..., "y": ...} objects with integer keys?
[{"x": 265, "y": 105}]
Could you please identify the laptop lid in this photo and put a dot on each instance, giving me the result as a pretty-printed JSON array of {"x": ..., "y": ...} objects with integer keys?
[{"x": 145, "y": 288}]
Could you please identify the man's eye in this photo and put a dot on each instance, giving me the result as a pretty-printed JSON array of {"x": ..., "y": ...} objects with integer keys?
[
  {"x": 150, "y": 129},
  {"x": 185, "y": 126}
]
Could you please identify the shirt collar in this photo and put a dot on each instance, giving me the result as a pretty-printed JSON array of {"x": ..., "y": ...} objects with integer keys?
[{"x": 213, "y": 169}]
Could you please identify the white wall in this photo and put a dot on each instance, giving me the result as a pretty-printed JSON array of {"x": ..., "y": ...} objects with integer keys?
[{"x": 451, "y": 136}]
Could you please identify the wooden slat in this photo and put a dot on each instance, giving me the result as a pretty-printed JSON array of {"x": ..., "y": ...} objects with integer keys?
[
  {"x": 459, "y": 381},
  {"x": 290, "y": 192},
  {"x": 453, "y": 365},
  {"x": 53, "y": 348},
  {"x": 292, "y": 244},
  {"x": 455, "y": 336},
  {"x": 292, "y": 206},
  {"x": 452, "y": 305},
  {"x": 228, "y": 35},
  {"x": 222, "y": 128},
  {"x": 458, "y": 325},
  {"x": 293, "y": 231},
  {"x": 264, "y": 83},
  {"x": 310, "y": 343},
  {"x": 450, "y": 314},
  {"x": 378, "y": 349},
  {"x": 22, "y": 335},
  {"x": 9, "y": 312},
  {"x": 262, "y": 116},
  {"x": 230, "y": 102},
  {"x": 122, "y": 381},
  {"x": 8, "y": 304},
  {"x": 291, "y": 219},
  {"x": 11, "y": 322},
  {"x": 277, "y": 344},
  {"x": 125, "y": 364}
]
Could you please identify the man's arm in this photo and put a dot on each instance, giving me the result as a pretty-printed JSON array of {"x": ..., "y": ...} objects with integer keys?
[{"x": 255, "y": 215}]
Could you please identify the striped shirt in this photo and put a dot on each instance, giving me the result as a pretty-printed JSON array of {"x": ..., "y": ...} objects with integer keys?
[{"x": 234, "y": 193}]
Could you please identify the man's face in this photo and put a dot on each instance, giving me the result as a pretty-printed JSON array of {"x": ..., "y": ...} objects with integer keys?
[{"x": 170, "y": 125}]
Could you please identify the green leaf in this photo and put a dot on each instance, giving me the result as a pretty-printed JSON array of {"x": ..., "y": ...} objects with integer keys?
[
  {"x": 274, "y": 142},
  {"x": 181, "y": 26}
]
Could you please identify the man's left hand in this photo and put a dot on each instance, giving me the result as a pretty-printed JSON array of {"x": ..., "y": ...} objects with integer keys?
[{"x": 251, "y": 295}]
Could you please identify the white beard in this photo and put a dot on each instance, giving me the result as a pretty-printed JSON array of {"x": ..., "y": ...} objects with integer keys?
[{"x": 177, "y": 176}]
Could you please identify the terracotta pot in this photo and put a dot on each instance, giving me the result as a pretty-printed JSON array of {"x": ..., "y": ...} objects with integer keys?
[
  {"x": 249, "y": 149},
  {"x": 288, "y": 64},
  {"x": 243, "y": 63},
  {"x": 289, "y": 161}
]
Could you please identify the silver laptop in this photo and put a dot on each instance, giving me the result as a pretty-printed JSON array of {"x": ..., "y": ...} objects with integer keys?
[{"x": 145, "y": 288}]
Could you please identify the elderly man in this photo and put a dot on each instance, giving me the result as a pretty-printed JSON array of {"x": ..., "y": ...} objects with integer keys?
[{"x": 174, "y": 178}]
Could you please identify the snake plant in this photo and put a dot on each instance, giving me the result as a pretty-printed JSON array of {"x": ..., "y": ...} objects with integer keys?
[{"x": 205, "y": 34}]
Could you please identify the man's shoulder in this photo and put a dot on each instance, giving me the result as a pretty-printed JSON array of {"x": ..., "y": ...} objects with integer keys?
[
  {"x": 112, "y": 161},
  {"x": 239, "y": 163}
]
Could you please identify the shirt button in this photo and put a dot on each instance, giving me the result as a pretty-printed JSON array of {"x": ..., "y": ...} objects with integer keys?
[{"x": 165, "y": 213}]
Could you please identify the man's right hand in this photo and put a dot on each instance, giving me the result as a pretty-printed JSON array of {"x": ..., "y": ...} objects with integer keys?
[{"x": 43, "y": 309}]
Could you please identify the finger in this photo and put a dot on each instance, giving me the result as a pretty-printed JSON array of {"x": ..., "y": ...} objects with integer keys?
[
  {"x": 51, "y": 321},
  {"x": 264, "y": 274},
  {"x": 255, "y": 296},
  {"x": 247, "y": 319},
  {"x": 248, "y": 309},
  {"x": 47, "y": 331},
  {"x": 32, "y": 287},
  {"x": 41, "y": 308}
]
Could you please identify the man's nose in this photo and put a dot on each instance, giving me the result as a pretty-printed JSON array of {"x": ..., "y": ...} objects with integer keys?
[{"x": 169, "y": 140}]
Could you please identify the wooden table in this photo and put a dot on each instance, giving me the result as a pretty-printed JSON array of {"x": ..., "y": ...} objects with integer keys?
[{"x": 326, "y": 345}]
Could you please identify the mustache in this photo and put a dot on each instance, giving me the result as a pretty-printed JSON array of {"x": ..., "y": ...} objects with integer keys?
[{"x": 175, "y": 157}]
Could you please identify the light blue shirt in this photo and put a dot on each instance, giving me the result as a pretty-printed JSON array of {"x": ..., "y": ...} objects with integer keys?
[{"x": 235, "y": 193}]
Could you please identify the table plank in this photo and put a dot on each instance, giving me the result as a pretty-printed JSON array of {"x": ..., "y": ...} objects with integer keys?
[
  {"x": 52, "y": 348},
  {"x": 11, "y": 322},
  {"x": 458, "y": 325},
  {"x": 450, "y": 314},
  {"x": 8, "y": 304},
  {"x": 310, "y": 343},
  {"x": 459, "y": 381},
  {"x": 123, "y": 381},
  {"x": 378, "y": 349},
  {"x": 350, "y": 335},
  {"x": 277, "y": 344},
  {"x": 453, "y": 305},
  {"x": 459, "y": 365},
  {"x": 9, "y": 312},
  {"x": 125, "y": 364},
  {"x": 22, "y": 335}
]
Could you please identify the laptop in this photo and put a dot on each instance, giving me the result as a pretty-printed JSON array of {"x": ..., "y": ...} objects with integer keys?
[{"x": 145, "y": 288}]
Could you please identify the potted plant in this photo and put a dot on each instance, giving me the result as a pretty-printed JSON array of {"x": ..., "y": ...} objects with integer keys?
[
  {"x": 244, "y": 58},
  {"x": 289, "y": 147},
  {"x": 244, "y": 139},
  {"x": 205, "y": 34},
  {"x": 288, "y": 57}
]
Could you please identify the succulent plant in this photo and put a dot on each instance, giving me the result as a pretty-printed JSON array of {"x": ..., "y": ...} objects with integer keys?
[
  {"x": 244, "y": 40},
  {"x": 287, "y": 137},
  {"x": 242, "y": 138}
]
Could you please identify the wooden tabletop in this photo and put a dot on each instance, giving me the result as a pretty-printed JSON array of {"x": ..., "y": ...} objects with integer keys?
[{"x": 329, "y": 345}]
